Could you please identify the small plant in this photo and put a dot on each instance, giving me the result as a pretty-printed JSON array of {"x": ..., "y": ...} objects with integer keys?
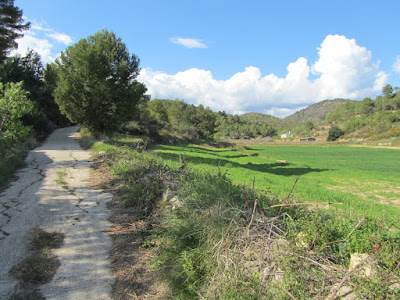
[{"x": 60, "y": 179}]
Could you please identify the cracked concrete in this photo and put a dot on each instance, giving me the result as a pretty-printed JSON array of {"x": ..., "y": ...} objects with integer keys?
[{"x": 38, "y": 198}]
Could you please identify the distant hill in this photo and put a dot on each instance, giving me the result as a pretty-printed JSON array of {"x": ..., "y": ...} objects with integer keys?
[
  {"x": 314, "y": 113},
  {"x": 262, "y": 118}
]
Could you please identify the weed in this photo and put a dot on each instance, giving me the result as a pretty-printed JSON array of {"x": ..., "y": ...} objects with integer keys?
[
  {"x": 60, "y": 179},
  {"x": 41, "y": 239},
  {"x": 8, "y": 166},
  {"x": 38, "y": 268}
]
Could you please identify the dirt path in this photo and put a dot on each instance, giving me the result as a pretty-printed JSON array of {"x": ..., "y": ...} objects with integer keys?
[{"x": 52, "y": 193}]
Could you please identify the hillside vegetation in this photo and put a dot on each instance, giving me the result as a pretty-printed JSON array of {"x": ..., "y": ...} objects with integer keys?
[
  {"x": 313, "y": 113},
  {"x": 368, "y": 119}
]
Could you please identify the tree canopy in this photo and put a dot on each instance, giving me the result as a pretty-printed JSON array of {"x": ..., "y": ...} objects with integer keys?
[
  {"x": 96, "y": 84},
  {"x": 14, "y": 104},
  {"x": 11, "y": 26}
]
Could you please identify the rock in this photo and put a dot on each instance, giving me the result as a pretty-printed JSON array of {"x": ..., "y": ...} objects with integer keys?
[
  {"x": 369, "y": 265},
  {"x": 279, "y": 276},
  {"x": 279, "y": 246},
  {"x": 301, "y": 240},
  {"x": 344, "y": 293},
  {"x": 171, "y": 198},
  {"x": 395, "y": 287},
  {"x": 175, "y": 203}
]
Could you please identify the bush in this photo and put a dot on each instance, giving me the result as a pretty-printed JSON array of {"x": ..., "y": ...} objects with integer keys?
[{"x": 334, "y": 133}]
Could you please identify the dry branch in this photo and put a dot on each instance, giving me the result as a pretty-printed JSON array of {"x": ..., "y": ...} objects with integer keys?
[
  {"x": 326, "y": 268},
  {"x": 287, "y": 197},
  {"x": 298, "y": 204},
  {"x": 345, "y": 278},
  {"x": 252, "y": 215},
  {"x": 350, "y": 234}
]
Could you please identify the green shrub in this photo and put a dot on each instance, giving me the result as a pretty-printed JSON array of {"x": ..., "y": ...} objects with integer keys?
[
  {"x": 8, "y": 166},
  {"x": 334, "y": 133}
]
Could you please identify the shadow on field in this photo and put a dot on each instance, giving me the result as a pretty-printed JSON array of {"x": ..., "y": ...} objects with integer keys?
[{"x": 280, "y": 168}]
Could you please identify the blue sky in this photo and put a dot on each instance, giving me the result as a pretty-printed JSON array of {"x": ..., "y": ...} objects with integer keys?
[{"x": 273, "y": 57}]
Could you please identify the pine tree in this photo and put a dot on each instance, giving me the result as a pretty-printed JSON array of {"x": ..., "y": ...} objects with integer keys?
[{"x": 11, "y": 26}]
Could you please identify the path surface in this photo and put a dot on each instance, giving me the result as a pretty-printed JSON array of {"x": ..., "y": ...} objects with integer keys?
[{"x": 52, "y": 193}]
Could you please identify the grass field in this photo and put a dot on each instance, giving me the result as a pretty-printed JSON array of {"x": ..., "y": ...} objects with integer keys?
[
  {"x": 212, "y": 242},
  {"x": 365, "y": 180}
]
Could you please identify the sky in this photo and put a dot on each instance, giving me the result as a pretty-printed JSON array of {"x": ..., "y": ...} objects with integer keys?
[{"x": 273, "y": 57}]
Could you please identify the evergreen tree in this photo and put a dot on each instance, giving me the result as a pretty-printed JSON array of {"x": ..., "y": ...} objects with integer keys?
[
  {"x": 11, "y": 26},
  {"x": 96, "y": 84}
]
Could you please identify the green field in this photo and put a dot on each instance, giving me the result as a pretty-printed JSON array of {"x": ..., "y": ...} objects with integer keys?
[{"x": 365, "y": 180}]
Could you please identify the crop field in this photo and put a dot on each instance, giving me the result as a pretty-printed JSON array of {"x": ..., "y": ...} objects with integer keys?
[{"x": 365, "y": 180}]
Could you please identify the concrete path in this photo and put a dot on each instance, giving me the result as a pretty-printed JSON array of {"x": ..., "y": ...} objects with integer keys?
[{"x": 52, "y": 193}]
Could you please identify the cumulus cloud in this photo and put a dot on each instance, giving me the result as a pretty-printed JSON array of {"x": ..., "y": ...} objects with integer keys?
[
  {"x": 343, "y": 70},
  {"x": 396, "y": 65},
  {"x": 44, "y": 40},
  {"x": 188, "y": 43},
  {"x": 60, "y": 37}
]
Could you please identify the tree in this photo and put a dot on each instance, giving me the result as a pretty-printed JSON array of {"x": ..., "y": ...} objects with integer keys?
[
  {"x": 96, "y": 85},
  {"x": 40, "y": 83},
  {"x": 309, "y": 125},
  {"x": 387, "y": 91},
  {"x": 14, "y": 105},
  {"x": 11, "y": 25},
  {"x": 334, "y": 133},
  {"x": 367, "y": 106}
]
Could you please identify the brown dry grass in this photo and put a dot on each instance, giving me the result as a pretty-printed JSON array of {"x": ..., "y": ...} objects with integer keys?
[
  {"x": 135, "y": 278},
  {"x": 39, "y": 267}
]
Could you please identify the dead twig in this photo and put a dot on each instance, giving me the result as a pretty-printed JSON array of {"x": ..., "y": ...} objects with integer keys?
[
  {"x": 287, "y": 292},
  {"x": 246, "y": 198},
  {"x": 298, "y": 204},
  {"x": 252, "y": 215},
  {"x": 326, "y": 268},
  {"x": 345, "y": 278},
  {"x": 287, "y": 197},
  {"x": 392, "y": 274},
  {"x": 350, "y": 234}
]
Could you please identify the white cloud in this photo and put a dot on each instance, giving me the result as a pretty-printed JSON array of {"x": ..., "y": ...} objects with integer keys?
[
  {"x": 44, "y": 40},
  {"x": 60, "y": 37},
  {"x": 396, "y": 65},
  {"x": 282, "y": 112},
  {"x": 188, "y": 43},
  {"x": 343, "y": 70},
  {"x": 41, "y": 46}
]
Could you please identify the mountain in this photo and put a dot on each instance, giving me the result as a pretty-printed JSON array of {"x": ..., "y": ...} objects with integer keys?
[
  {"x": 262, "y": 118},
  {"x": 314, "y": 113}
]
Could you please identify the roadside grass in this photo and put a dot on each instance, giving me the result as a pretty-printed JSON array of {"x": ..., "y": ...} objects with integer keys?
[
  {"x": 39, "y": 267},
  {"x": 223, "y": 239},
  {"x": 8, "y": 166},
  {"x": 60, "y": 179}
]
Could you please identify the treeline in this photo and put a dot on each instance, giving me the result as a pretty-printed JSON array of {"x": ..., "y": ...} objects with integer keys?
[
  {"x": 175, "y": 119},
  {"x": 368, "y": 117},
  {"x": 28, "y": 109},
  {"x": 28, "y": 112}
]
